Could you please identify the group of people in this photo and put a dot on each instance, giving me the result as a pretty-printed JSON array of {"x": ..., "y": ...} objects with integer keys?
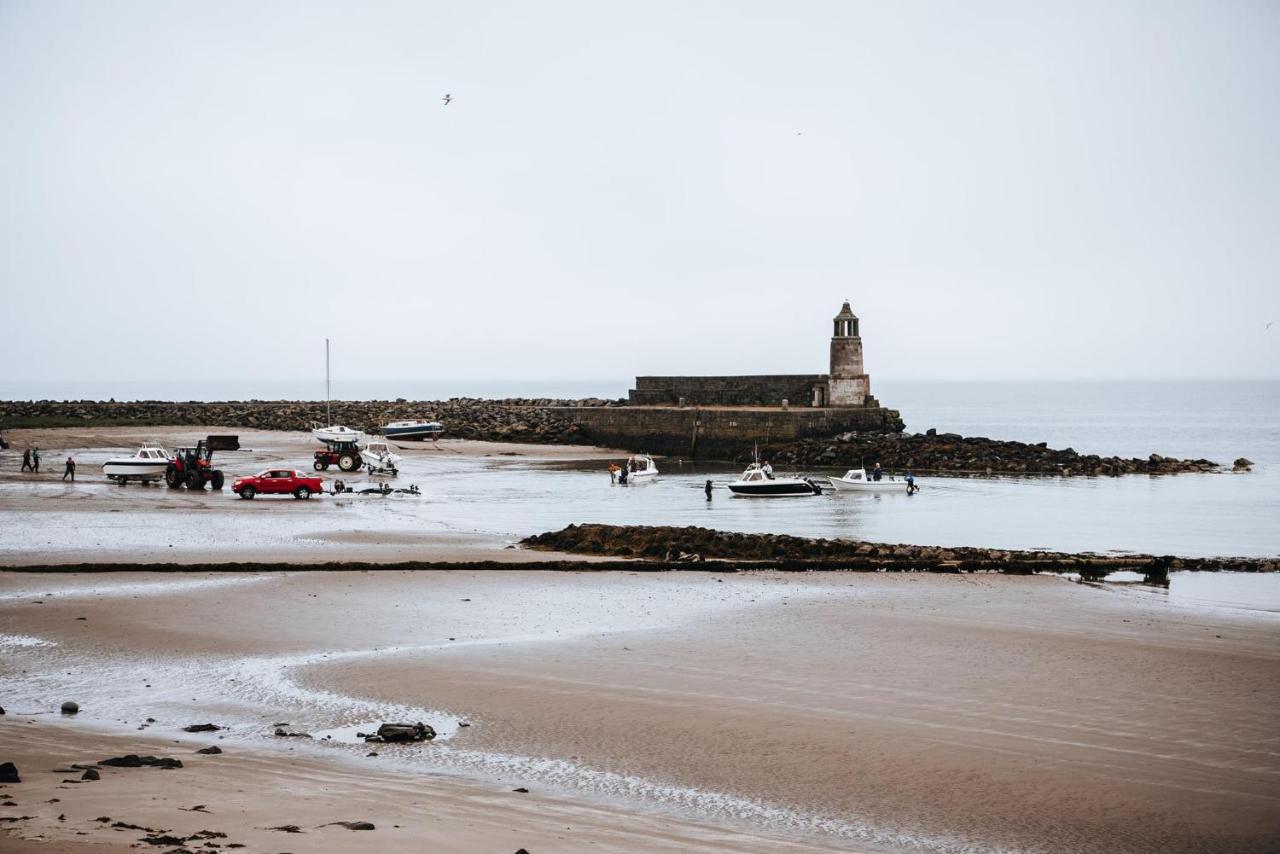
[
  {"x": 31, "y": 463},
  {"x": 877, "y": 474}
]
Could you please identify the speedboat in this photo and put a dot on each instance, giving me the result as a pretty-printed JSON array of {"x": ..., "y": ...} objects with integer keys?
[
  {"x": 413, "y": 431},
  {"x": 641, "y": 467},
  {"x": 379, "y": 458},
  {"x": 757, "y": 482},
  {"x": 336, "y": 434},
  {"x": 856, "y": 480},
  {"x": 147, "y": 464}
]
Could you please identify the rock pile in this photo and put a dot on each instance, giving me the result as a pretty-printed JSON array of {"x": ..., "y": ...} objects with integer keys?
[
  {"x": 513, "y": 420},
  {"x": 951, "y": 452},
  {"x": 780, "y": 551}
]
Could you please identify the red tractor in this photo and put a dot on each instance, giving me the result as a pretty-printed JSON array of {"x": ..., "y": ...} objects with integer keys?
[
  {"x": 193, "y": 467},
  {"x": 344, "y": 455}
]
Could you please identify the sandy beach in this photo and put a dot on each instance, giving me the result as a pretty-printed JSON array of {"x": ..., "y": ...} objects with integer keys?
[
  {"x": 750, "y": 712},
  {"x": 66, "y": 523}
]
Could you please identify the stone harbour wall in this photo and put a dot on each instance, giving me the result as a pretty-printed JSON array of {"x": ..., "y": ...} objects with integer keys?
[
  {"x": 694, "y": 432},
  {"x": 761, "y": 390}
]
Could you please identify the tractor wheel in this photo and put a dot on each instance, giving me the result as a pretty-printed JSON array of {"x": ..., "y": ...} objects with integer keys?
[
  {"x": 320, "y": 466},
  {"x": 349, "y": 462},
  {"x": 302, "y": 493},
  {"x": 248, "y": 492},
  {"x": 171, "y": 477},
  {"x": 193, "y": 481},
  {"x": 215, "y": 480}
]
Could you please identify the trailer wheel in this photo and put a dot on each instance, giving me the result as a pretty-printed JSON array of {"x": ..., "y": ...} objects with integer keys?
[
  {"x": 348, "y": 462},
  {"x": 193, "y": 481},
  {"x": 215, "y": 480},
  {"x": 248, "y": 492},
  {"x": 302, "y": 493}
]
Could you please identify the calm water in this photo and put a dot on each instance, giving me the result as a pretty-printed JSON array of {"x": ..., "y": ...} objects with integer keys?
[{"x": 1210, "y": 514}]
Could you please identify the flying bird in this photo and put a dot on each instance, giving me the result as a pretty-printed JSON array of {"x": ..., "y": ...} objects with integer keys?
[{"x": 447, "y": 99}]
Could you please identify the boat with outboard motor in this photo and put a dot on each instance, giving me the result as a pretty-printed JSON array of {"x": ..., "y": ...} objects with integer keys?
[
  {"x": 641, "y": 468},
  {"x": 758, "y": 482},
  {"x": 378, "y": 458},
  {"x": 856, "y": 480},
  {"x": 412, "y": 431},
  {"x": 147, "y": 464}
]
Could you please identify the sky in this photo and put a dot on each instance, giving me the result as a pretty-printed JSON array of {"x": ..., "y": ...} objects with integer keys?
[{"x": 1017, "y": 190}]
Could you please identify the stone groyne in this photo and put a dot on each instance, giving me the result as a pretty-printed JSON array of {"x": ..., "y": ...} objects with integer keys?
[
  {"x": 541, "y": 421},
  {"x": 780, "y": 551},
  {"x": 924, "y": 453}
]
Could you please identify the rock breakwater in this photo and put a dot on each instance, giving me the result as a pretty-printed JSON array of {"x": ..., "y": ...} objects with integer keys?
[
  {"x": 513, "y": 420},
  {"x": 781, "y": 551},
  {"x": 951, "y": 452}
]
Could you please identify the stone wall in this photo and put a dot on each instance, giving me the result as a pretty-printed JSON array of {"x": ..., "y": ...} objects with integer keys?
[
  {"x": 691, "y": 432},
  {"x": 761, "y": 390}
]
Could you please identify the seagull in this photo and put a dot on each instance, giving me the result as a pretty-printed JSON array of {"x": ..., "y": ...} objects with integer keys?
[{"x": 447, "y": 99}]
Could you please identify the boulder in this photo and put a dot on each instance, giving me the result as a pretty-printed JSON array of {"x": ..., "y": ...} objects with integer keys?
[
  {"x": 210, "y": 751},
  {"x": 70, "y": 707},
  {"x": 9, "y": 773},
  {"x": 1242, "y": 464},
  {"x": 133, "y": 760},
  {"x": 400, "y": 732},
  {"x": 202, "y": 728},
  {"x": 90, "y": 774}
]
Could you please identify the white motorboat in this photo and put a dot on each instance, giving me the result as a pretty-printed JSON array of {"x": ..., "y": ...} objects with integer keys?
[
  {"x": 857, "y": 480},
  {"x": 147, "y": 464},
  {"x": 640, "y": 468},
  {"x": 413, "y": 431},
  {"x": 378, "y": 457},
  {"x": 337, "y": 434},
  {"x": 758, "y": 482}
]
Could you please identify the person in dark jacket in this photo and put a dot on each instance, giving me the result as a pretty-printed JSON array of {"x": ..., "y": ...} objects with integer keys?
[
  {"x": 26, "y": 460},
  {"x": 35, "y": 460},
  {"x": 877, "y": 473},
  {"x": 707, "y": 489},
  {"x": 70, "y": 470}
]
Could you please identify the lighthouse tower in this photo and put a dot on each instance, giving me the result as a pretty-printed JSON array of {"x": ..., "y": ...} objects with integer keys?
[{"x": 848, "y": 384}]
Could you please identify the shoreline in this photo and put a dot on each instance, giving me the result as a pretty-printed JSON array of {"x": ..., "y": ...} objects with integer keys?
[{"x": 646, "y": 711}]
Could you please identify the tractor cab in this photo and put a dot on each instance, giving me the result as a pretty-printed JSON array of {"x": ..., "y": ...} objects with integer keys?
[{"x": 193, "y": 467}]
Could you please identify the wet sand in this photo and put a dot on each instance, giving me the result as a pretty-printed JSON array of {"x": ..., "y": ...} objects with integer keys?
[
  {"x": 647, "y": 712},
  {"x": 52, "y": 522}
]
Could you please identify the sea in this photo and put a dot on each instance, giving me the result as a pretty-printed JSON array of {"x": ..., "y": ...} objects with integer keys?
[{"x": 1220, "y": 514}]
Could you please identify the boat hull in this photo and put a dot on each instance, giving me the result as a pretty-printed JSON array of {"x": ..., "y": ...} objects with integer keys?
[
  {"x": 774, "y": 489},
  {"x": 135, "y": 470},
  {"x": 412, "y": 434},
  {"x": 842, "y": 485},
  {"x": 340, "y": 435}
]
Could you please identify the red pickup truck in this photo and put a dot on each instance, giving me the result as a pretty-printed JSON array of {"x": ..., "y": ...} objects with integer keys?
[{"x": 278, "y": 482}]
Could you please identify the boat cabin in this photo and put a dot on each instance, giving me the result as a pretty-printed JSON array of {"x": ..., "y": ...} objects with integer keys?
[
  {"x": 147, "y": 452},
  {"x": 858, "y": 475}
]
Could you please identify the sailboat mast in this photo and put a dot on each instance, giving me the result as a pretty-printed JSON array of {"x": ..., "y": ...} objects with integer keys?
[{"x": 327, "y": 418}]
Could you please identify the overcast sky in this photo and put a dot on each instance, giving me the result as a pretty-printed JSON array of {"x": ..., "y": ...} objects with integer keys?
[{"x": 1002, "y": 190}]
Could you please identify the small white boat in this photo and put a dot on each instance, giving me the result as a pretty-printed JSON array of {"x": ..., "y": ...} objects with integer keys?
[
  {"x": 412, "y": 431},
  {"x": 857, "y": 480},
  {"x": 147, "y": 464},
  {"x": 337, "y": 434},
  {"x": 378, "y": 457},
  {"x": 640, "y": 468},
  {"x": 758, "y": 482}
]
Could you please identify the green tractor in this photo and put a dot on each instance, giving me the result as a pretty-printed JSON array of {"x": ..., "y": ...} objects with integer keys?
[{"x": 193, "y": 467}]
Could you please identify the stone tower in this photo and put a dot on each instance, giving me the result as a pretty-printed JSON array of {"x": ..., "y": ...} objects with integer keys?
[{"x": 848, "y": 385}]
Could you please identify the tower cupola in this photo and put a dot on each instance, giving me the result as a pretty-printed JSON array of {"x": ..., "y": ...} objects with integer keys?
[{"x": 846, "y": 322}]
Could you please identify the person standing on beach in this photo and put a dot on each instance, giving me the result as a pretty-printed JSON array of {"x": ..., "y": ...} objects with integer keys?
[
  {"x": 70, "y": 470},
  {"x": 911, "y": 483},
  {"x": 26, "y": 460},
  {"x": 35, "y": 460},
  {"x": 707, "y": 489}
]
